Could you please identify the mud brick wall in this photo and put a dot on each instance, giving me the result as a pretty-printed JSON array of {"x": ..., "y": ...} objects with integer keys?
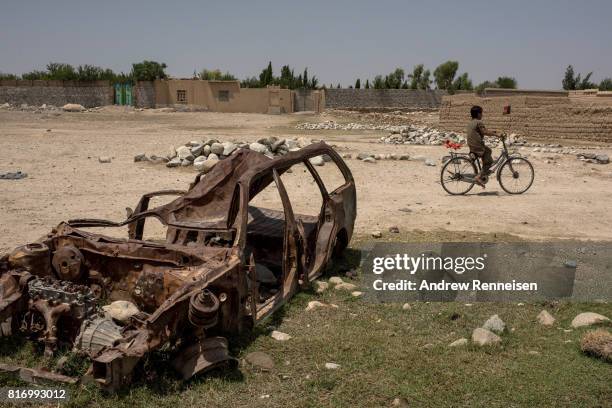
[
  {"x": 144, "y": 94},
  {"x": 535, "y": 117},
  {"x": 383, "y": 98},
  {"x": 57, "y": 93}
]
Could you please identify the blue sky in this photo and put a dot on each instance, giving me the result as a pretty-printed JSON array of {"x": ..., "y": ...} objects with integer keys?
[{"x": 338, "y": 41}]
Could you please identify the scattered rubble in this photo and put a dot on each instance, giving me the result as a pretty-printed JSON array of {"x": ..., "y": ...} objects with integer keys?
[
  {"x": 594, "y": 158},
  {"x": 204, "y": 155}
]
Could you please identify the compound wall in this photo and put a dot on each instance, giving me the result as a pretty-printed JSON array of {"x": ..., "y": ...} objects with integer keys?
[
  {"x": 535, "y": 117},
  {"x": 372, "y": 99},
  {"x": 57, "y": 93}
]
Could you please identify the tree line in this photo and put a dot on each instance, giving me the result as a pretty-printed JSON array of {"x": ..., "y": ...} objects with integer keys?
[
  {"x": 445, "y": 76},
  {"x": 572, "y": 81}
]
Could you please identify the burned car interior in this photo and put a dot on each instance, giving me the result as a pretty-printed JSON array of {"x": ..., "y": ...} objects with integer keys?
[{"x": 226, "y": 263}]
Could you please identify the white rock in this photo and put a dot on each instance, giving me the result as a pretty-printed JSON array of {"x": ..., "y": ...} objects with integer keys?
[
  {"x": 369, "y": 160},
  {"x": 356, "y": 293},
  {"x": 459, "y": 342},
  {"x": 588, "y": 319},
  {"x": 73, "y": 107},
  {"x": 314, "y": 304},
  {"x": 494, "y": 324},
  {"x": 258, "y": 147},
  {"x": 206, "y": 165},
  {"x": 121, "y": 310},
  {"x": 228, "y": 148},
  {"x": 345, "y": 286},
  {"x": 183, "y": 152},
  {"x": 484, "y": 337},
  {"x": 217, "y": 148},
  {"x": 320, "y": 286},
  {"x": 545, "y": 318},
  {"x": 332, "y": 366},
  {"x": 317, "y": 161},
  {"x": 335, "y": 280},
  {"x": 280, "y": 336},
  {"x": 406, "y": 306},
  {"x": 376, "y": 234}
]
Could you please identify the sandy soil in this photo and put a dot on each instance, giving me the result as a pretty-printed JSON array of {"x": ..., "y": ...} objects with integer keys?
[{"x": 569, "y": 199}]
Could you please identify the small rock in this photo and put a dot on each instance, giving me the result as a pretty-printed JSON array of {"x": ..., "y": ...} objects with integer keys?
[
  {"x": 217, "y": 148},
  {"x": 459, "y": 342},
  {"x": 314, "y": 304},
  {"x": 280, "y": 336},
  {"x": 356, "y": 293},
  {"x": 484, "y": 337},
  {"x": 206, "y": 165},
  {"x": 257, "y": 147},
  {"x": 335, "y": 280},
  {"x": 430, "y": 162},
  {"x": 73, "y": 107},
  {"x": 332, "y": 366},
  {"x": 369, "y": 160},
  {"x": 494, "y": 324},
  {"x": 588, "y": 319},
  {"x": 545, "y": 318},
  {"x": 140, "y": 157},
  {"x": 317, "y": 161},
  {"x": 376, "y": 234},
  {"x": 406, "y": 306},
  {"x": 104, "y": 159},
  {"x": 174, "y": 162},
  {"x": 320, "y": 286},
  {"x": 228, "y": 148},
  {"x": 260, "y": 360},
  {"x": 394, "y": 229},
  {"x": 183, "y": 152},
  {"x": 345, "y": 286},
  {"x": 400, "y": 402}
]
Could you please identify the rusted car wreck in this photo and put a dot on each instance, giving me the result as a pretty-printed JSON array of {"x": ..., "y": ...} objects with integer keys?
[{"x": 193, "y": 291}]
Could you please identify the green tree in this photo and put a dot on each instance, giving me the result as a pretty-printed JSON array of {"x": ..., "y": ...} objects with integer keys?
[
  {"x": 417, "y": 76},
  {"x": 267, "y": 76},
  {"x": 148, "y": 70},
  {"x": 486, "y": 84},
  {"x": 251, "y": 82},
  {"x": 445, "y": 73},
  {"x": 585, "y": 83},
  {"x": 358, "y": 84},
  {"x": 506, "y": 82},
  {"x": 367, "y": 85},
  {"x": 61, "y": 71},
  {"x": 379, "y": 82},
  {"x": 10, "y": 77},
  {"x": 35, "y": 75},
  {"x": 216, "y": 75},
  {"x": 395, "y": 79},
  {"x": 305, "y": 78},
  {"x": 425, "y": 82},
  {"x": 605, "y": 84},
  {"x": 462, "y": 83},
  {"x": 569, "y": 82}
]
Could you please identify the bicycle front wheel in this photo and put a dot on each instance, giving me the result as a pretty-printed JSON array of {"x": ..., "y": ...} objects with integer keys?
[
  {"x": 516, "y": 175},
  {"x": 457, "y": 175}
]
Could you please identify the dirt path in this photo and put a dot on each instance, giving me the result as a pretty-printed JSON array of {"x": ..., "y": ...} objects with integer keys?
[{"x": 568, "y": 200}]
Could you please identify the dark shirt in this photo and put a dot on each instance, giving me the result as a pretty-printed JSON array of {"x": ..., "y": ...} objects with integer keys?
[{"x": 475, "y": 136}]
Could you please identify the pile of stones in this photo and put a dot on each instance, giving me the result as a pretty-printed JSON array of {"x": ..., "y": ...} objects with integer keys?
[
  {"x": 204, "y": 155},
  {"x": 332, "y": 125},
  {"x": 594, "y": 158}
]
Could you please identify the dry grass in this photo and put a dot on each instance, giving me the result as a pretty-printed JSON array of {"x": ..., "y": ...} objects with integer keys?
[{"x": 598, "y": 343}]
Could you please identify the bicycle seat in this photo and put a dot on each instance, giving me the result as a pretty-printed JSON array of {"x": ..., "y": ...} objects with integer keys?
[{"x": 452, "y": 145}]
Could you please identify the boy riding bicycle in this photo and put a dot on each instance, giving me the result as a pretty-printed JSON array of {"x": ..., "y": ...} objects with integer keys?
[{"x": 476, "y": 131}]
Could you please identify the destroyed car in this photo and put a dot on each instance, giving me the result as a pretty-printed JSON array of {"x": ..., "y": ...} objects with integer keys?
[{"x": 225, "y": 265}]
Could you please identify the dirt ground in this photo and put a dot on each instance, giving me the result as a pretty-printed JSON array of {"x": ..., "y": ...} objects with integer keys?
[{"x": 569, "y": 199}]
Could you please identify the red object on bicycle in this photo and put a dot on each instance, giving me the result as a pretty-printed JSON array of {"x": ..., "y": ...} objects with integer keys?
[{"x": 452, "y": 145}]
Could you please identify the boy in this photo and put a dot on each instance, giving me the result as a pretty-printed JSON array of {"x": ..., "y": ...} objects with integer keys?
[{"x": 476, "y": 132}]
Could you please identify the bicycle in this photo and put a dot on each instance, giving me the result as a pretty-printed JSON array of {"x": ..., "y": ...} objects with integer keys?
[{"x": 514, "y": 173}]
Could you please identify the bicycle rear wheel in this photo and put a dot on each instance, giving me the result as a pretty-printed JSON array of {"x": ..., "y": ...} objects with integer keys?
[
  {"x": 457, "y": 175},
  {"x": 516, "y": 175}
]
